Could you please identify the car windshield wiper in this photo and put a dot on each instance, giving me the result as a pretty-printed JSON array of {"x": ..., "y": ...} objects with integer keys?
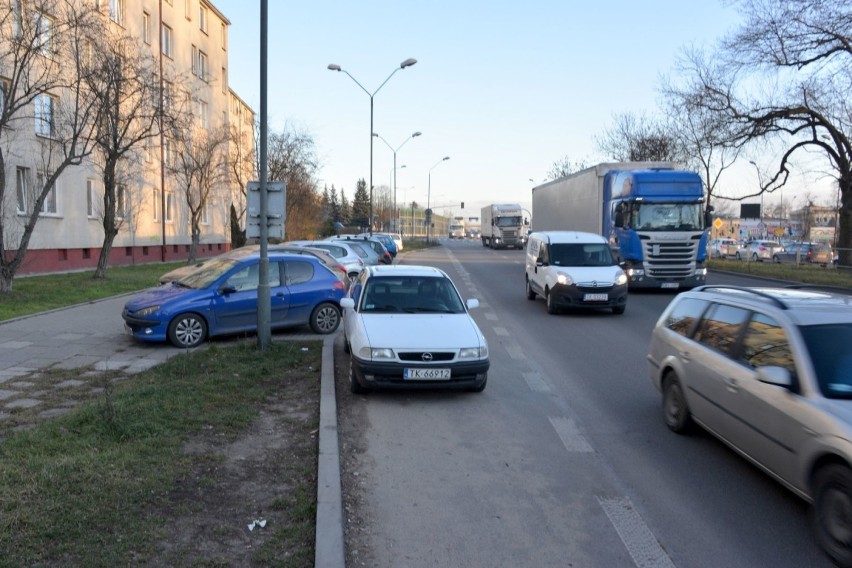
[{"x": 388, "y": 308}]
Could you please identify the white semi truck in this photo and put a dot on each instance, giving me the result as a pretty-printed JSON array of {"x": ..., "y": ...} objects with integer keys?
[
  {"x": 503, "y": 226},
  {"x": 457, "y": 228}
]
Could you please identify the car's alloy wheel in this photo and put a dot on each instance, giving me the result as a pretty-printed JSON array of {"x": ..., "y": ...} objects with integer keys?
[
  {"x": 675, "y": 409},
  {"x": 187, "y": 330},
  {"x": 325, "y": 318},
  {"x": 833, "y": 512}
]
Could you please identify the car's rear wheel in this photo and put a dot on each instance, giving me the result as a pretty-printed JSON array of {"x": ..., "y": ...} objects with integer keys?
[
  {"x": 833, "y": 512},
  {"x": 325, "y": 318},
  {"x": 354, "y": 386},
  {"x": 187, "y": 330},
  {"x": 675, "y": 409},
  {"x": 776, "y": 259},
  {"x": 551, "y": 303},
  {"x": 530, "y": 293}
]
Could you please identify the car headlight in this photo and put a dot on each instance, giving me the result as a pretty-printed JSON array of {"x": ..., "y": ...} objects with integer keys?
[
  {"x": 473, "y": 353},
  {"x": 147, "y": 311},
  {"x": 374, "y": 353},
  {"x": 564, "y": 279},
  {"x": 620, "y": 279}
]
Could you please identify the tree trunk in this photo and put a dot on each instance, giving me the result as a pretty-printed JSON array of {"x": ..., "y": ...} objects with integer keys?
[
  {"x": 109, "y": 221},
  {"x": 843, "y": 239}
]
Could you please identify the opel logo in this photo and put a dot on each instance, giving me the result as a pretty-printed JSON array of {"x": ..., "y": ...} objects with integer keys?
[
  {"x": 594, "y": 283},
  {"x": 426, "y": 357}
]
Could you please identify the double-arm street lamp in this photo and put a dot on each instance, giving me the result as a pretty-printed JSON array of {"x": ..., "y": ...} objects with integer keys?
[
  {"x": 429, "y": 197},
  {"x": 334, "y": 67},
  {"x": 395, "y": 210}
]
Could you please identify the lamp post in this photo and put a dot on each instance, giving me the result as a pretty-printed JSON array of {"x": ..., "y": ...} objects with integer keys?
[
  {"x": 395, "y": 210},
  {"x": 429, "y": 197},
  {"x": 334, "y": 67},
  {"x": 760, "y": 182}
]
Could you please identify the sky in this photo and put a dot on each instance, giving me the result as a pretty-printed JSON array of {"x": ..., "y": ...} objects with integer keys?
[{"x": 504, "y": 88}]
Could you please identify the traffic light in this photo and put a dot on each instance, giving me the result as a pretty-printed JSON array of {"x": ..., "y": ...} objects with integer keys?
[{"x": 462, "y": 205}]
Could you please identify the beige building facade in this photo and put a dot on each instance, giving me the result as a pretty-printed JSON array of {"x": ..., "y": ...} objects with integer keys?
[{"x": 188, "y": 40}]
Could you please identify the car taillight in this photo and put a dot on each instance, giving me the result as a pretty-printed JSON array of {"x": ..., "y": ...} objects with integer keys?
[{"x": 339, "y": 286}]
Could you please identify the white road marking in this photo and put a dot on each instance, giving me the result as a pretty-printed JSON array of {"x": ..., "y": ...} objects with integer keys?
[
  {"x": 635, "y": 534},
  {"x": 536, "y": 382},
  {"x": 515, "y": 352},
  {"x": 501, "y": 331},
  {"x": 490, "y": 315},
  {"x": 570, "y": 436}
]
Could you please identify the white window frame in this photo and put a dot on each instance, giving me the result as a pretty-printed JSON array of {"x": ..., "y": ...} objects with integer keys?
[
  {"x": 203, "y": 66},
  {"x": 4, "y": 85},
  {"x": 120, "y": 201},
  {"x": 187, "y": 9},
  {"x": 18, "y": 15},
  {"x": 203, "y": 114},
  {"x": 167, "y": 96},
  {"x": 224, "y": 80},
  {"x": 146, "y": 27},
  {"x": 202, "y": 17},
  {"x": 194, "y": 60},
  {"x": 45, "y": 111},
  {"x": 205, "y": 213},
  {"x": 91, "y": 199},
  {"x": 167, "y": 151},
  {"x": 224, "y": 36},
  {"x": 43, "y": 26},
  {"x": 49, "y": 206},
  {"x": 116, "y": 11},
  {"x": 156, "y": 205},
  {"x": 170, "y": 207},
  {"x": 166, "y": 41},
  {"x": 22, "y": 186}
]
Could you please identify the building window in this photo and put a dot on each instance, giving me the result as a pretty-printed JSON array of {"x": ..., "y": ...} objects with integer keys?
[
  {"x": 199, "y": 63},
  {"x": 167, "y": 151},
  {"x": 170, "y": 207},
  {"x": 146, "y": 27},
  {"x": 187, "y": 9},
  {"x": 43, "y": 26},
  {"x": 44, "y": 105},
  {"x": 4, "y": 87},
  {"x": 224, "y": 80},
  {"x": 224, "y": 38},
  {"x": 202, "y": 18},
  {"x": 166, "y": 41},
  {"x": 156, "y": 207},
  {"x": 120, "y": 201},
  {"x": 116, "y": 11},
  {"x": 167, "y": 96},
  {"x": 18, "y": 21},
  {"x": 22, "y": 179},
  {"x": 91, "y": 199},
  {"x": 203, "y": 114},
  {"x": 48, "y": 206},
  {"x": 194, "y": 62},
  {"x": 205, "y": 216}
]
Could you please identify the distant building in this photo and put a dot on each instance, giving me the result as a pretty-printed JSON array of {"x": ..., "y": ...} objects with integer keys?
[
  {"x": 812, "y": 223},
  {"x": 188, "y": 39}
]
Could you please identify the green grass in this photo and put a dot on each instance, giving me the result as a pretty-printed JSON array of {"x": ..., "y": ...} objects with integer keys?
[
  {"x": 805, "y": 273},
  {"x": 97, "y": 486},
  {"x": 33, "y": 294}
]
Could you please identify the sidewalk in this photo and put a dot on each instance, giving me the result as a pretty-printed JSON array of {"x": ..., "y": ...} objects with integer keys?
[{"x": 93, "y": 335}]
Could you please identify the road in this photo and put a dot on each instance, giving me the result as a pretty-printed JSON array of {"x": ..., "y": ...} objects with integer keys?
[{"x": 564, "y": 459}]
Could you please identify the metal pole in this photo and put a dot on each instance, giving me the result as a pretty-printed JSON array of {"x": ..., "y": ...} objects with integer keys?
[
  {"x": 162, "y": 141},
  {"x": 264, "y": 302},
  {"x": 370, "y": 220}
]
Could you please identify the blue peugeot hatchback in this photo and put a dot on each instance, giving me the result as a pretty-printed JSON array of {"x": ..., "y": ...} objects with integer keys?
[{"x": 221, "y": 298}]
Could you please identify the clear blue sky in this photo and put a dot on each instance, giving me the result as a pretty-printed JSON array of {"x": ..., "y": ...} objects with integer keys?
[{"x": 505, "y": 88}]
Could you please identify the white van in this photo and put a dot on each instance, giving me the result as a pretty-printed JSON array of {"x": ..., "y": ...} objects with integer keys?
[{"x": 571, "y": 269}]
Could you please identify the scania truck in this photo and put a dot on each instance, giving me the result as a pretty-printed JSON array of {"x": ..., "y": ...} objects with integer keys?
[
  {"x": 652, "y": 213},
  {"x": 503, "y": 226}
]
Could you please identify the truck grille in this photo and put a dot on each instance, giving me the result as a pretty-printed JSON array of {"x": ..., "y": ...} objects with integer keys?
[
  {"x": 670, "y": 260},
  {"x": 510, "y": 236}
]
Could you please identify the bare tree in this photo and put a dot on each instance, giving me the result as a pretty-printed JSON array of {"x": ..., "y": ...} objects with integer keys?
[
  {"x": 291, "y": 158},
  {"x": 243, "y": 161},
  {"x": 802, "y": 50},
  {"x": 124, "y": 77},
  {"x": 639, "y": 138},
  {"x": 196, "y": 167},
  {"x": 565, "y": 166},
  {"x": 43, "y": 49}
]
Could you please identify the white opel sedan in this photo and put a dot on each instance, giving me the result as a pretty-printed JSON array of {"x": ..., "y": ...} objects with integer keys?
[{"x": 407, "y": 327}]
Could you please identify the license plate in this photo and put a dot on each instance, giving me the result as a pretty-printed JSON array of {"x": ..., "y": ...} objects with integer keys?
[
  {"x": 669, "y": 285},
  {"x": 426, "y": 374},
  {"x": 595, "y": 297}
]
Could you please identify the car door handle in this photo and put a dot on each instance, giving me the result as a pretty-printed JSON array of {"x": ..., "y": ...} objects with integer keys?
[
  {"x": 684, "y": 355},
  {"x": 732, "y": 384},
  {"x": 280, "y": 294}
]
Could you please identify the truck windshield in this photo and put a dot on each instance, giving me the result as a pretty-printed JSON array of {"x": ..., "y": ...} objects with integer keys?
[
  {"x": 508, "y": 221},
  {"x": 667, "y": 217}
]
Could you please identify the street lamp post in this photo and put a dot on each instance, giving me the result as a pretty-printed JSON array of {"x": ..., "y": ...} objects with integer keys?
[
  {"x": 760, "y": 182},
  {"x": 395, "y": 210},
  {"x": 429, "y": 197},
  {"x": 334, "y": 67}
]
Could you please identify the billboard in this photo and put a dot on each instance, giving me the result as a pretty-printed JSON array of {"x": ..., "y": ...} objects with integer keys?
[{"x": 750, "y": 210}]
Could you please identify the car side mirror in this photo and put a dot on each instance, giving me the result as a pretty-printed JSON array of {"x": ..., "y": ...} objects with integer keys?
[
  {"x": 227, "y": 289},
  {"x": 774, "y": 375},
  {"x": 472, "y": 303},
  {"x": 347, "y": 303},
  {"x": 619, "y": 219}
]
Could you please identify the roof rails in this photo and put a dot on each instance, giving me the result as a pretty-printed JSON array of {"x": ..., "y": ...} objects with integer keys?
[
  {"x": 771, "y": 298},
  {"x": 821, "y": 287}
]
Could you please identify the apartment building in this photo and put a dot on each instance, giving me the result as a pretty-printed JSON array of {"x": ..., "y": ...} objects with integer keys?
[{"x": 188, "y": 42}]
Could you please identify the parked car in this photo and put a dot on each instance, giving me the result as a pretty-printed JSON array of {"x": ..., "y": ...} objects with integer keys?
[
  {"x": 572, "y": 269},
  {"x": 769, "y": 372},
  {"x": 342, "y": 252},
  {"x": 221, "y": 298},
  {"x": 323, "y": 255},
  {"x": 759, "y": 250},
  {"x": 723, "y": 248},
  {"x": 384, "y": 256},
  {"x": 799, "y": 253},
  {"x": 407, "y": 327},
  {"x": 385, "y": 239}
]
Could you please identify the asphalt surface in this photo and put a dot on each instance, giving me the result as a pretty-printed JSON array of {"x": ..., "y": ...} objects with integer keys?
[{"x": 93, "y": 335}]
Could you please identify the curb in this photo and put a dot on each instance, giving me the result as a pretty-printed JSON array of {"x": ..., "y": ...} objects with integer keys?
[{"x": 329, "y": 549}]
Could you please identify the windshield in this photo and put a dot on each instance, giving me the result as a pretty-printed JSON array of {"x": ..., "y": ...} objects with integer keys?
[
  {"x": 667, "y": 217},
  {"x": 580, "y": 254},
  {"x": 828, "y": 346},
  {"x": 508, "y": 221},
  {"x": 411, "y": 294},
  {"x": 207, "y": 273}
]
